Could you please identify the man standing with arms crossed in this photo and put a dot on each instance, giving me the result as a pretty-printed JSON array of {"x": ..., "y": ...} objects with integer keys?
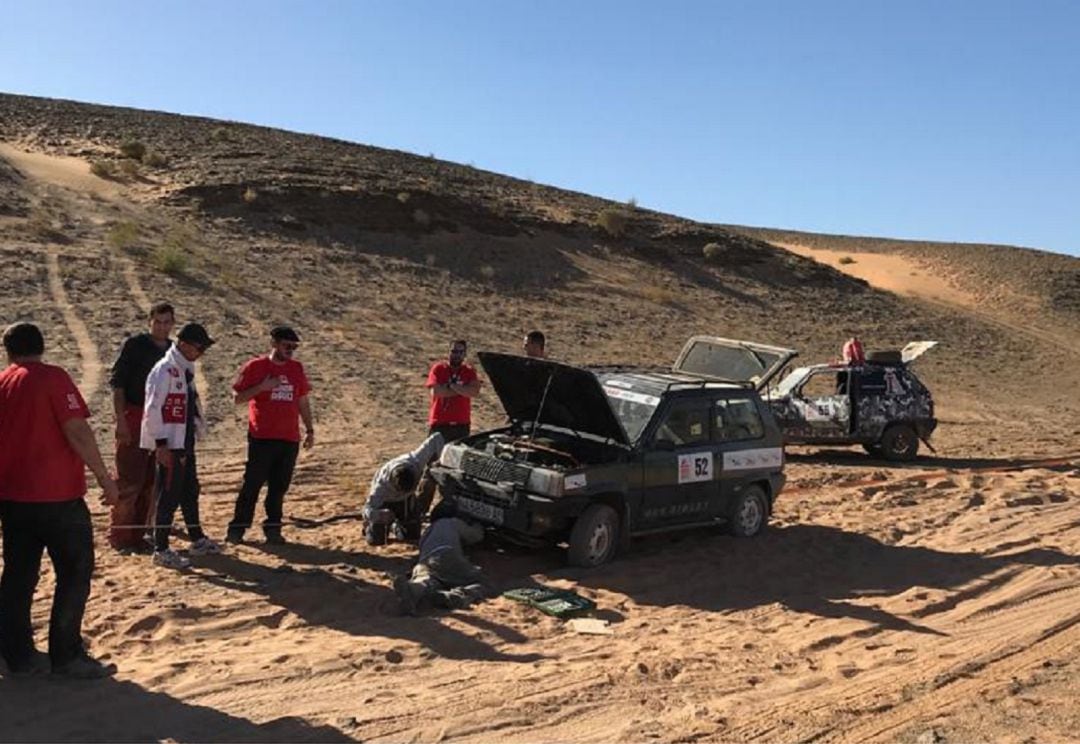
[
  {"x": 276, "y": 390},
  {"x": 453, "y": 385},
  {"x": 134, "y": 465},
  {"x": 46, "y": 442}
]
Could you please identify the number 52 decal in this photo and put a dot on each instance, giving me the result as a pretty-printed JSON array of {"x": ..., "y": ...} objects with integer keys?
[{"x": 695, "y": 467}]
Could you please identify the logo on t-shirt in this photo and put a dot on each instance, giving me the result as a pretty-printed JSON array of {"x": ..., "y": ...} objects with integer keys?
[
  {"x": 73, "y": 402},
  {"x": 284, "y": 391}
]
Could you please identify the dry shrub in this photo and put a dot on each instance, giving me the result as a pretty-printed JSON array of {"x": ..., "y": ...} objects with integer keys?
[
  {"x": 403, "y": 197},
  {"x": 844, "y": 260},
  {"x": 133, "y": 149},
  {"x": 712, "y": 251},
  {"x": 659, "y": 294},
  {"x": 170, "y": 260},
  {"x": 123, "y": 235},
  {"x": 488, "y": 272},
  {"x": 155, "y": 159},
  {"x": 613, "y": 222},
  {"x": 250, "y": 195},
  {"x": 129, "y": 168},
  {"x": 102, "y": 169}
]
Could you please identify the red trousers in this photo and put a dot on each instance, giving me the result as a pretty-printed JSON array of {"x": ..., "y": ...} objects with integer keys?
[{"x": 135, "y": 479}]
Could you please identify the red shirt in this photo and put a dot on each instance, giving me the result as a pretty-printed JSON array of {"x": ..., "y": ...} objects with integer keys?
[
  {"x": 37, "y": 464},
  {"x": 456, "y": 409},
  {"x": 274, "y": 414}
]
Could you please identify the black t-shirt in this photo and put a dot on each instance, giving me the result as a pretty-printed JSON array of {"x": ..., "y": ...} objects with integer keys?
[{"x": 137, "y": 357}]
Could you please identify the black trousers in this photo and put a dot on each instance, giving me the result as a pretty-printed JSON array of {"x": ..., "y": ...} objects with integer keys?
[
  {"x": 450, "y": 432},
  {"x": 270, "y": 462},
  {"x": 177, "y": 485},
  {"x": 63, "y": 529}
]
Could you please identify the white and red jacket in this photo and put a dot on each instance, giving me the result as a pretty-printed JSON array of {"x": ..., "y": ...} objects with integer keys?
[{"x": 165, "y": 411}]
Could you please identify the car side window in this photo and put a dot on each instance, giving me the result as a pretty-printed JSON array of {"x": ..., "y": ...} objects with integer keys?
[
  {"x": 825, "y": 383},
  {"x": 686, "y": 423},
  {"x": 736, "y": 419}
]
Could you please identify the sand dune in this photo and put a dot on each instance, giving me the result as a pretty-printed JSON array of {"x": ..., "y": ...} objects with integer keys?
[{"x": 934, "y": 602}]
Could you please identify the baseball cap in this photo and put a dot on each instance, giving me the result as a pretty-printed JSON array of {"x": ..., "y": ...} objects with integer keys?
[
  {"x": 284, "y": 333},
  {"x": 194, "y": 333}
]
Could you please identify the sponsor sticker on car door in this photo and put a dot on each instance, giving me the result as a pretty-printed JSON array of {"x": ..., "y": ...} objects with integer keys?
[{"x": 695, "y": 467}]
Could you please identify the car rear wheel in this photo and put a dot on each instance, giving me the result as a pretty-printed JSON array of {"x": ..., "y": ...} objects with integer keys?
[
  {"x": 900, "y": 443},
  {"x": 595, "y": 536},
  {"x": 750, "y": 513}
]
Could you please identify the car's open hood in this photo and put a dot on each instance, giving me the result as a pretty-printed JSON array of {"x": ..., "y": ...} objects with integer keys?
[
  {"x": 571, "y": 397},
  {"x": 732, "y": 360}
]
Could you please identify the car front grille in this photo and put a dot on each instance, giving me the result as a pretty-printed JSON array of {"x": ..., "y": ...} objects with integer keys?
[{"x": 493, "y": 469}]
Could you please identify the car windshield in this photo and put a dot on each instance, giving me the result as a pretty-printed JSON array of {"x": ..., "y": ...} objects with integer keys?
[{"x": 633, "y": 409}]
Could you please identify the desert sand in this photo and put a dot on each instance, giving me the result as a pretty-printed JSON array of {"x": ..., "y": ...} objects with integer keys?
[{"x": 934, "y": 602}]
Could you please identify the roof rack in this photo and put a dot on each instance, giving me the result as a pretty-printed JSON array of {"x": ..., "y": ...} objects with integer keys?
[{"x": 701, "y": 383}]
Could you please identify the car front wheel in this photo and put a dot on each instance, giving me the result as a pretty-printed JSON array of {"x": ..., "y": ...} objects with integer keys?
[
  {"x": 899, "y": 443},
  {"x": 750, "y": 513},
  {"x": 595, "y": 536}
]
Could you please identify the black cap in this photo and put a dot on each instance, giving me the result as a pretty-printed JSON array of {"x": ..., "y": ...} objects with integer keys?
[
  {"x": 194, "y": 333},
  {"x": 284, "y": 333}
]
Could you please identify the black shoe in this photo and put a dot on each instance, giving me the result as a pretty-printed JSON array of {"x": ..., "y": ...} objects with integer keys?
[
  {"x": 275, "y": 538},
  {"x": 83, "y": 667},
  {"x": 37, "y": 665},
  {"x": 376, "y": 534},
  {"x": 234, "y": 536}
]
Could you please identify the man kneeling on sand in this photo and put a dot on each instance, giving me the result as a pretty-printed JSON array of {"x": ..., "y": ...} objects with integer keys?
[
  {"x": 401, "y": 493},
  {"x": 443, "y": 575}
]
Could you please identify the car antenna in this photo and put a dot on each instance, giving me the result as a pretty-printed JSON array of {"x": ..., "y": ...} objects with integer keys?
[{"x": 540, "y": 408}]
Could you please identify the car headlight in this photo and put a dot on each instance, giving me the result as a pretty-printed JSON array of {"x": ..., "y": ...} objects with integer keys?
[
  {"x": 546, "y": 482},
  {"x": 451, "y": 456}
]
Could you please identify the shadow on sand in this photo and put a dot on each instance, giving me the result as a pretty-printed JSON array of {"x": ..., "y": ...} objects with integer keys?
[
  {"x": 814, "y": 569},
  {"x": 337, "y": 599},
  {"x": 46, "y": 709}
]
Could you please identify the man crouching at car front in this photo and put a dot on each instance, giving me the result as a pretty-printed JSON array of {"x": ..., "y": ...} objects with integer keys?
[{"x": 394, "y": 502}]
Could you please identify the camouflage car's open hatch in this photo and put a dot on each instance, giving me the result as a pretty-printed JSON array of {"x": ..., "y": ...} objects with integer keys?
[
  {"x": 556, "y": 394},
  {"x": 732, "y": 360},
  {"x": 916, "y": 349}
]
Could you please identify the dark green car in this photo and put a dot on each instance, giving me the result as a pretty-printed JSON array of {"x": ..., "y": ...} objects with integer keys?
[{"x": 591, "y": 457}]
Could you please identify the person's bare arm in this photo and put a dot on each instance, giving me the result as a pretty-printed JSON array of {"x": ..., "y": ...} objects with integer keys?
[
  {"x": 119, "y": 403},
  {"x": 81, "y": 439},
  {"x": 443, "y": 391},
  {"x": 469, "y": 390},
  {"x": 269, "y": 383},
  {"x": 309, "y": 423}
]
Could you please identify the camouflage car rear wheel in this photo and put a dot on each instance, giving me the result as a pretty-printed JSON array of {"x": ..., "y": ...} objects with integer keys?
[{"x": 900, "y": 443}]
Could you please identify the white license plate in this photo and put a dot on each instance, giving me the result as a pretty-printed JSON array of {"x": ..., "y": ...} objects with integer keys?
[{"x": 479, "y": 509}]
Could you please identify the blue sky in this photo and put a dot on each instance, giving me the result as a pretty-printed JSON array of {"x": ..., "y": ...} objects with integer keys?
[{"x": 938, "y": 120}]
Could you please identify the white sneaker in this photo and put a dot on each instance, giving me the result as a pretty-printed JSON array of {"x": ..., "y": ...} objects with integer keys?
[
  {"x": 204, "y": 546},
  {"x": 170, "y": 559}
]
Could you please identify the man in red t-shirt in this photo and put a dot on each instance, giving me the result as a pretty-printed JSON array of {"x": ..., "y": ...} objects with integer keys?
[
  {"x": 453, "y": 385},
  {"x": 46, "y": 442},
  {"x": 276, "y": 390}
]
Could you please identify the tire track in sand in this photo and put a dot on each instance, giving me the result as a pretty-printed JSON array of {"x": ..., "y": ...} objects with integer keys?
[{"x": 88, "y": 352}]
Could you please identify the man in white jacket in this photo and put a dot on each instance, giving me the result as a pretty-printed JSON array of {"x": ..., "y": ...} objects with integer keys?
[{"x": 171, "y": 419}]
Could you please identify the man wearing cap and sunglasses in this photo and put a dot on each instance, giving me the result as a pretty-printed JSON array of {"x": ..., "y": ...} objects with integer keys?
[
  {"x": 276, "y": 390},
  {"x": 171, "y": 419}
]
